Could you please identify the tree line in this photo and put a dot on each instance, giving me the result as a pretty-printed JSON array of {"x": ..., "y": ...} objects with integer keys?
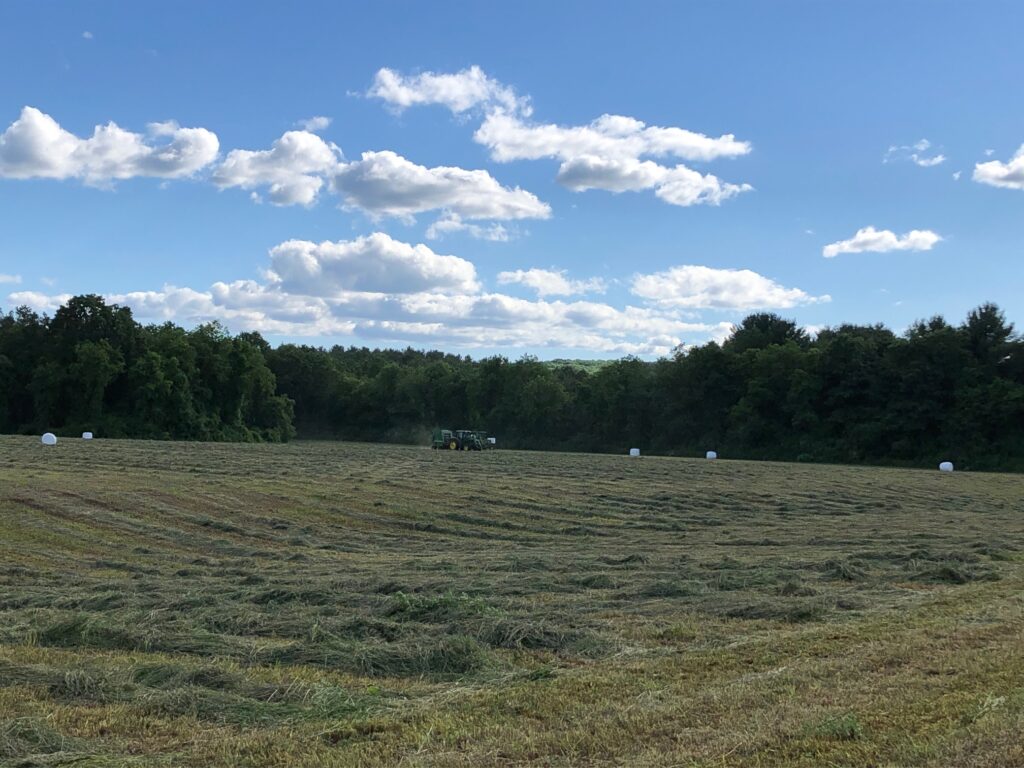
[{"x": 852, "y": 394}]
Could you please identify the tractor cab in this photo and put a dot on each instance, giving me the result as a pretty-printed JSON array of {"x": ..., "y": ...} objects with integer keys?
[{"x": 468, "y": 440}]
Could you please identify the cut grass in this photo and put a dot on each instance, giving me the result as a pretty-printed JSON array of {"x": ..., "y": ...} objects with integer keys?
[
  {"x": 335, "y": 605},
  {"x": 27, "y": 736}
]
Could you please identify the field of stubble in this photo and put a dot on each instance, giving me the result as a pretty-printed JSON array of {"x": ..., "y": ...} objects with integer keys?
[{"x": 332, "y": 604}]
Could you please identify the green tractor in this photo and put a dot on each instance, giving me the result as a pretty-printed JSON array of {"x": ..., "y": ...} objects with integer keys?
[{"x": 460, "y": 440}]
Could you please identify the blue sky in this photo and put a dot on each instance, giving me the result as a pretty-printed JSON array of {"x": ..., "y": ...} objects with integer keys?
[{"x": 492, "y": 213}]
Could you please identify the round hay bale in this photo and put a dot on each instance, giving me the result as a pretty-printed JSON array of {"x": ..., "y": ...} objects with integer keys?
[
  {"x": 634, "y": 452},
  {"x": 946, "y": 466},
  {"x": 87, "y": 435},
  {"x": 711, "y": 455},
  {"x": 49, "y": 439}
]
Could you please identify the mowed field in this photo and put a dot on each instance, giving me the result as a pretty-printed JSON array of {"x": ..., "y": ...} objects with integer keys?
[{"x": 331, "y": 604}]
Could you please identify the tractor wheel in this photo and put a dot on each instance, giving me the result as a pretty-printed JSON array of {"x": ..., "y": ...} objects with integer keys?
[{"x": 453, "y": 446}]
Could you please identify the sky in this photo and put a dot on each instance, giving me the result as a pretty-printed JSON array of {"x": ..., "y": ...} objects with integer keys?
[{"x": 570, "y": 179}]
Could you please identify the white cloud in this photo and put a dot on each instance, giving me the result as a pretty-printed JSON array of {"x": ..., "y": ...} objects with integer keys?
[
  {"x": 607, "y": 154},
  {"x": 497, "y": 320},
  {"x": 40, "y": 302},
  {"x": 314, "y": 124},
  {"x": 239, "y": 305},
  {"x": 459, "y": 92},
  {"x": 609, "y": 136},
  {"x": 293, "y": 169},
  {"x": 381, "y": 290},
  {"x": 250, "y": 296},
  {"x": 914, "y": 153},
  {"x": 467, "y": 321},
  {"x": 956, "y": 175},
  {"x": 612, "y": 153},
  {"x": 883, "y": 241},
  {"x": 1008, "y": 175},
  {"x": 698, "y": 287},
  {"x": 382, "y": 184},
  {"x": 87, "y": 35},
  {"x": 452, "y": 222},
  {"x": 613, "y": 174},
  {"x": 48, "y": 281},
  {"x": 35, "y": 146},
  {"x": 679, "y": 185},
  {"x": 373, "y": 264},
  {"x": 386, "y": 184},
  {"x": 15, "y": 279},
  {"x": 547, "y": 282},
  {"x": 685, "y": 187}
]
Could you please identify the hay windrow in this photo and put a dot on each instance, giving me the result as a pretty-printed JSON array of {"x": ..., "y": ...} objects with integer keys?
[{"x": 342, "y": 605}]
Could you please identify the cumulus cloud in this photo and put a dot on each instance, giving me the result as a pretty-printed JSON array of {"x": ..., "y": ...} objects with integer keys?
[
  {"x": 883, "y": 241},
  {"x": 452, "y": 222},
  {"x": 914, "y": 153},
  {"x": 684, "y": 187},
  {"x": 15, "y": 279},
  {"x": 300, "y": 164},
  {"x": 375, "y": 264},
  {"x": 41, "y": 302},
  {"x": 509, "y": 137},
  {"x": 613, "y": 152},
  {"x": 314, "y": 124},
  {"x": 459, "y": 91},
  {"x": 698, "y": 287},
  {"x": 292, "y": 170},
  {"x": 386, "y": 184},
  {"x": 468, "y": 321},
  {"x": 548, "y": 282},
  {"x": 679, "y": 185},
  {"x": 243, "y": 305},
  {"x": 36, "y": 146},
  {"x": 608, "y": 154},
  {"x": 1008, "y": 175},
  {"x": 378, "y": 289}
]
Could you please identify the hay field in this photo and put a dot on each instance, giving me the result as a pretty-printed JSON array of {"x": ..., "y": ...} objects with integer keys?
[{"x": 330, "y": 604}]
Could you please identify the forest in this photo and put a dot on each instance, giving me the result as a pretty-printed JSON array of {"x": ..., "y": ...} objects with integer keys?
[{"x": 850, "y": 394}]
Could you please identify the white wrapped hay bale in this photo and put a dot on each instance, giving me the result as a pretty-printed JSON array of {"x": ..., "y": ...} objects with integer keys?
[
  {"x": 49, "y": 439},
  {"x": 946, "y": 466},
  {"x": 87, "y": 435},
  {"x": 711, "y": 455},
  {"x": 634, "y": 452}
]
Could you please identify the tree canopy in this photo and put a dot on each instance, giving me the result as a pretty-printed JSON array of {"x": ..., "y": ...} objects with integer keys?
[{"x": 769, "y": 391}]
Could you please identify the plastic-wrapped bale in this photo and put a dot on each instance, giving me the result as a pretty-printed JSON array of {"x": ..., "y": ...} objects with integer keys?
[
  {"x": 634, "y": 452},
  {"x": 87, "y": 435},
  {"x": 49, "y": 439},
  {"x": 946, "y": 466},
  {"x": 711, "y": 455}
]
